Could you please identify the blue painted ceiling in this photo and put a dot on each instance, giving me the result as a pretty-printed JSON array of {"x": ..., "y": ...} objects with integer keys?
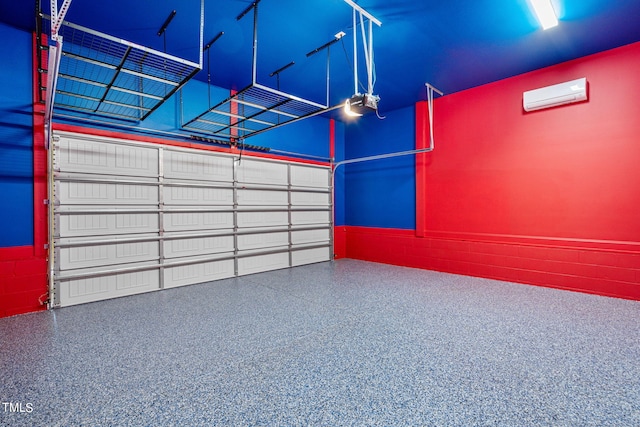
[{"x": 453, "y": 45}]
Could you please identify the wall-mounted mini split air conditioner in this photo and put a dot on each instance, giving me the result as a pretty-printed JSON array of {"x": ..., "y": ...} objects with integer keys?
[{"x": 552, "y": 96}]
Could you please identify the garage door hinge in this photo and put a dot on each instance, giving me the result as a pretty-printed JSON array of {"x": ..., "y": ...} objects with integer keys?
[
  {"x": 45, "y": 201},
  {"x": 46, "y": 246}
]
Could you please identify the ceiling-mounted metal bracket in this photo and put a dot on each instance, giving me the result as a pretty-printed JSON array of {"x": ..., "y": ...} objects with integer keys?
[
  {"x": 362, "y": 11},
  {"x": 257, "y": 107},
  {"x": 57, "y": 16}
]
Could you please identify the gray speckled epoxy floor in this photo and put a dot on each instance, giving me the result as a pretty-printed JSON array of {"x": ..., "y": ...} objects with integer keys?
[{"x": 345, "y": 343}]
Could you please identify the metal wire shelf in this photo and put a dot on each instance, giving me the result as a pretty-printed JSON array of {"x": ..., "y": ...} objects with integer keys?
[
  {"x": 103, "y": 75},
  {"x": 256, "y": 108},
  {"x": 253, "y": 109}
]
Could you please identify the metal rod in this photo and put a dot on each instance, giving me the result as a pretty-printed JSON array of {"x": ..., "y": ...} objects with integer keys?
[
  {"x": 248, "y": 232},
  {"x": 288, "y": 95},
  {"x": 306, "y": 116},
  {"x": 53, "y": 5},
  {"x": 90, "y": 111},
  {"x": 381, "y": 156},
  {"x": 213, "y": 40},
  {"x": 328, "y": 72},
  {"x": 430, "y": 90},
  {"x": 168, "y": 210},
  {"x": 85, "y": 59},
  {"x": 365, "y": 49},
  {"x": 212, "y": 109},
  {"x": 200, "y": 62},
  {"x": 87, "y": 180},
  {"x": 281, "y": 69},
  {"x": 324, "y": 46},
  {"x": 272, "y": 108},
  {"x": 263, "y": 108},
  {"x": 167, "y": 21},
  {"x": 307, "y": 156},
  {"x": 244, "y": 12},
  {"x": 52, "y": 81},
  {"x": 355, "y": 53},
  {"x": 171, "y": 92},
  {"x": 245, "y": 254},
  {"x": 136, "y": 93},
  {"x": 371, "y": 63},
  {"x": 254, "y": 67},
  {"x": 55, "y": 27},
  {"x": 115, "y": 76},
  {"x": 434, "y": 89},
  {"x": 154, "y": 78},
  {"x": 363, "y": 11}
]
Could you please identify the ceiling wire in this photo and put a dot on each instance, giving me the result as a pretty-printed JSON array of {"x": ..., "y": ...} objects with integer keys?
[{"x": 350, "y": 62}]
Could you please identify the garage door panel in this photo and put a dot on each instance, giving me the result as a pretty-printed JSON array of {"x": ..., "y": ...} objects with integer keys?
[
  {"x": 198, "y": 166},
  {"x": 198, "y": 273},
  {"x": 263, "y": 172},
  {"x": 262, "y": 219},
  {"x": 194, "y": 246},
  {"x": 107, "y": 254},
  {"x": 197, "y": 196},
  {"x": 261, "y": 263},
  {"x": 263, "y": 240},
  {"x": 310, "y": 236},
  {"x": 299, "y": 198},
  {"x": 80, "y": 155},
  {"x": 194, "y": 221},
  {"x": 97, "y": 224},
  {"x": 310, "y": 217},
  {"x": 310, "y": 256},
  {"x": 309, "y": 176},
  {"x": 85, "y": 193},
  {"x": 82, "y": 290},
  {"x": 262, "y": 198}
]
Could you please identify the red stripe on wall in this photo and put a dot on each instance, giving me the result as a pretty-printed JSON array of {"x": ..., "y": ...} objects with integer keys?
[
  {"x": 332, "y": 139},
  {"x": 591, "y": 270},
  {"x": 339, "y": 242},
  {"x": 23, "y": 281},
  {"x": 422, "y": 141}
]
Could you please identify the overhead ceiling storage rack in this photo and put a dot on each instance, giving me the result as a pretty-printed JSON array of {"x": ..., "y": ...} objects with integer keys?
[
  {"x": 253, "y": 109},
  {"x": 102, "y": 75},
  {"x": 256, "y": 108}
]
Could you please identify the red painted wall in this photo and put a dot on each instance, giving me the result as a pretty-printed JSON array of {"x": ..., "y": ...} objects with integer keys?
[{"x": 548, "y": 198}]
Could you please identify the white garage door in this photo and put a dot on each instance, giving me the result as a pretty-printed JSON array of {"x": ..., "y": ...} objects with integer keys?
[{"x": 133, "y": 217}]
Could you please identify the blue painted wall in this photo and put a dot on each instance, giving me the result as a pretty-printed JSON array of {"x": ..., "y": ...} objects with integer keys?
[
  {"x": 381, "y": 193},
  {"x": 16, "y": 138}
]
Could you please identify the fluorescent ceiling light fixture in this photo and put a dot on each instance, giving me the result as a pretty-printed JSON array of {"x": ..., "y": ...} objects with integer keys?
[{"x": 545, "y": 13}]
